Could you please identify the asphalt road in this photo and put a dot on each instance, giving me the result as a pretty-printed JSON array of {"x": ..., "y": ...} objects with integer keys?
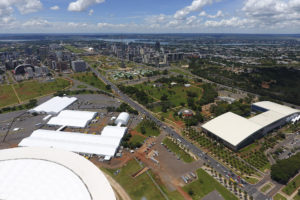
[{"x": 251, "y": 190}]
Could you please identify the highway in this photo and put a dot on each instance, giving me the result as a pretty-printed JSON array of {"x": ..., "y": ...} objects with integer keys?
[{"x": 250, "y": 189}]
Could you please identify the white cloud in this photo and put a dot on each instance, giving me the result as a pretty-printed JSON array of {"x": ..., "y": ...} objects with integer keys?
[
  {"x": 202, "y": 14},
  {"x": 91, "y": 12},
  {"x": 195, "y": 6},
  {"x": 82, "y": 5},
  {"x": 232, "y": 22},
  {"x": 37, "y": 23},
  {"x": 190, "y": 20},
  {"x": 217, "y": 15},
  {"x": 27, "y": 6},
  {"x": 55, "y": 7}
]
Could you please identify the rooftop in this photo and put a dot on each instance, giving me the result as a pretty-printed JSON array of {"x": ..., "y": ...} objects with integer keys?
[{"x": 44, "y": 173}]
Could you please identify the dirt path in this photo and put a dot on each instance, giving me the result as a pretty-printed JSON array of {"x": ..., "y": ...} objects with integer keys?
[
  {"x": 118, "y": 188},
  {"x": 19, "y": 100}
]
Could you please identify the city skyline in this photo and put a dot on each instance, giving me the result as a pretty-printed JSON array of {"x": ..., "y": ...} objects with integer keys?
[{"x": 136, "y": 16}]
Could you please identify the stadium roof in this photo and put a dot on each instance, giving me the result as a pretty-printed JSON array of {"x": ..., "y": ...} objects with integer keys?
[
  {"x": 72, "y": 118},
  {"x": 54, "y": 105},
  {"x": 231, "y": 127},
  {"x": 268, "y": 105},
  {"x": 105, "y": 145},
  {"x": 43, "y": 173}
]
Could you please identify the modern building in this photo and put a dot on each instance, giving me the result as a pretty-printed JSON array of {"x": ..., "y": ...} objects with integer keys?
[
  {"x": 72, "y": 118},
  {"x": 79, "y": 66},
  {"x": 105, "y": 144},
  {"x": 44, "y": 173},
  {"x": 54, "y": 105},
  {"x": 236, "y": 131}
]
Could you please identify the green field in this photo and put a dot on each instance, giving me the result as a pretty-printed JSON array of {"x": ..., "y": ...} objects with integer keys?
[
  {"x": 91, "y": 79},
  {"x": 141, "y": 186},
  {"x": 279, "y": 197},
  {"x": 292, "y": 185},
  {"x": 32, "y": 89},
  {"x": 177, "y": 95},
  {"x": 266, "y": 187},
  {"x": 178, "y": 151},
  {"x": 7, "y": 96},
  {"x": 149, "y": 127},
  {"x": 137, "y": 139},
  {"x": 74, "y": 49},
  {"x": 206, "y": 184}
]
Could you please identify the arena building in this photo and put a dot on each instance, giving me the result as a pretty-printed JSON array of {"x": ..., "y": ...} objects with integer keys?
[
  {"x": 44, "y": 173},
  {"x": 236, "y": 131}
]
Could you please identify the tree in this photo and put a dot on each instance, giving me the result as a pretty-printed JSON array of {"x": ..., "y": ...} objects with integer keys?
[
  {"x": 143, "y": 130},
  {"x": 191, "y": 192}
]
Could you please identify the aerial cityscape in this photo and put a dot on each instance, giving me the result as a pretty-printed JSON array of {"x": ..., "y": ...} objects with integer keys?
[{"x": 143, "y": 100}]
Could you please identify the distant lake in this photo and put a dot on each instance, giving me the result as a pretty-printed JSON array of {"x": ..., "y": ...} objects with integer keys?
[
  {"x": 17, "y": 40},
  {"x": 144, "y": 41}
]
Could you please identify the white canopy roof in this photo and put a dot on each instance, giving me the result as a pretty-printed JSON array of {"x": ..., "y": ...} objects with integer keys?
[
  {"x": 75, "y": 142},
  {"x": 113, "y": 131},
  {"x": 47, "y": 174},
  {"x": 72, "y": 118},
  {"x": 54, "y": 105}
]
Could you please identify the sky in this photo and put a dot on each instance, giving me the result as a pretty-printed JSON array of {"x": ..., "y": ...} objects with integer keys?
[{"x": 150, "y": 16}]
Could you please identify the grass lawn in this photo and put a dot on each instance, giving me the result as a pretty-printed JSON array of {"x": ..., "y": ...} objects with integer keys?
[
  {"x": 7, "y": 96},
  {"x": 206, "y": 184},
  {"x": 74, "y": 49},
  {"x": 81, "y": 86},
  {"x": 178, "y": 151},
  {"x": 279, "y": 197},
  {"x": 251, "y": 180},
  {"x": 137, "y": 139},
  {"x": 292, "y": 185},
  {"x": 89, "y": 78},
  {"x": 176, "y": 94},
  {"x": 32, "y": 89},
  {"x": 297, "y": 197},
  {"x": 141, "y": 186},
  {"x": 148, "y": 126},
  {"x": 266, "y": 187}
]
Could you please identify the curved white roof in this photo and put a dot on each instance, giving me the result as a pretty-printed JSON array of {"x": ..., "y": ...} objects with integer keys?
[
  {"x": 72, "y": 118},
  {"x": 123, "y": 118},
  {"x": 268, "y": 105},
  {"x": 47, "y": 174}
]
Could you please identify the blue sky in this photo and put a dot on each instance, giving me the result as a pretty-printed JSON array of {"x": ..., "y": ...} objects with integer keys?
[{"x": 150, "y": 16}]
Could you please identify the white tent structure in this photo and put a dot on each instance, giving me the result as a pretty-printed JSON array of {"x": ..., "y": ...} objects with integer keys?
[
  {"x": 102, "y": 145},
  {"x": 54, "y": 105},
  {"x": 72, "y": 118},
  {"x": 43, "y": 173},
  {"x": 122, "y": 119}
]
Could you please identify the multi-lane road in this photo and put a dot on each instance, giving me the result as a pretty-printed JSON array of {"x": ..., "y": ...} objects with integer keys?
[{"x": 250, "y": 189}]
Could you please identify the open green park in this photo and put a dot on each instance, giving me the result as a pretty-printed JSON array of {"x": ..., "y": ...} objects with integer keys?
[
  {"x": 292, "y": 186},
  {"x": 206, "y": 184},
  {"x": 30, "y": 89},
  {"x": 147, "y": 128},
  {"x": 143, "y": 185},
  {"x": 178, "y": 151},
  {"x": 91, "y": 79},
  {"x": 279, "y": 197},
  {"x": 74, "y": 49},
  {"x": 7, "y": 95}
]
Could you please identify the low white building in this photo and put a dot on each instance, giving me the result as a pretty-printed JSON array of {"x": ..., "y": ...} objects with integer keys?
[
  {"x": 54, "y": 105},
  {"x": 73, "y": 118},
  {"x": 122, "y": 119}
]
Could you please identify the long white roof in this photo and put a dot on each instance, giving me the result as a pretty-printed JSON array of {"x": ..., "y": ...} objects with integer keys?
[
  {"x": 54, "y": 105},
  {"x": 113, "y": 131},
  {"x": 268, "y": 105},
  {"x": 266, "y": 118},
  {"x": 231, "y": 127},
  {"x": 72, "y": 118},
  {"x": 46, "y": 174},
  {"x": 75, "y": 142}
]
